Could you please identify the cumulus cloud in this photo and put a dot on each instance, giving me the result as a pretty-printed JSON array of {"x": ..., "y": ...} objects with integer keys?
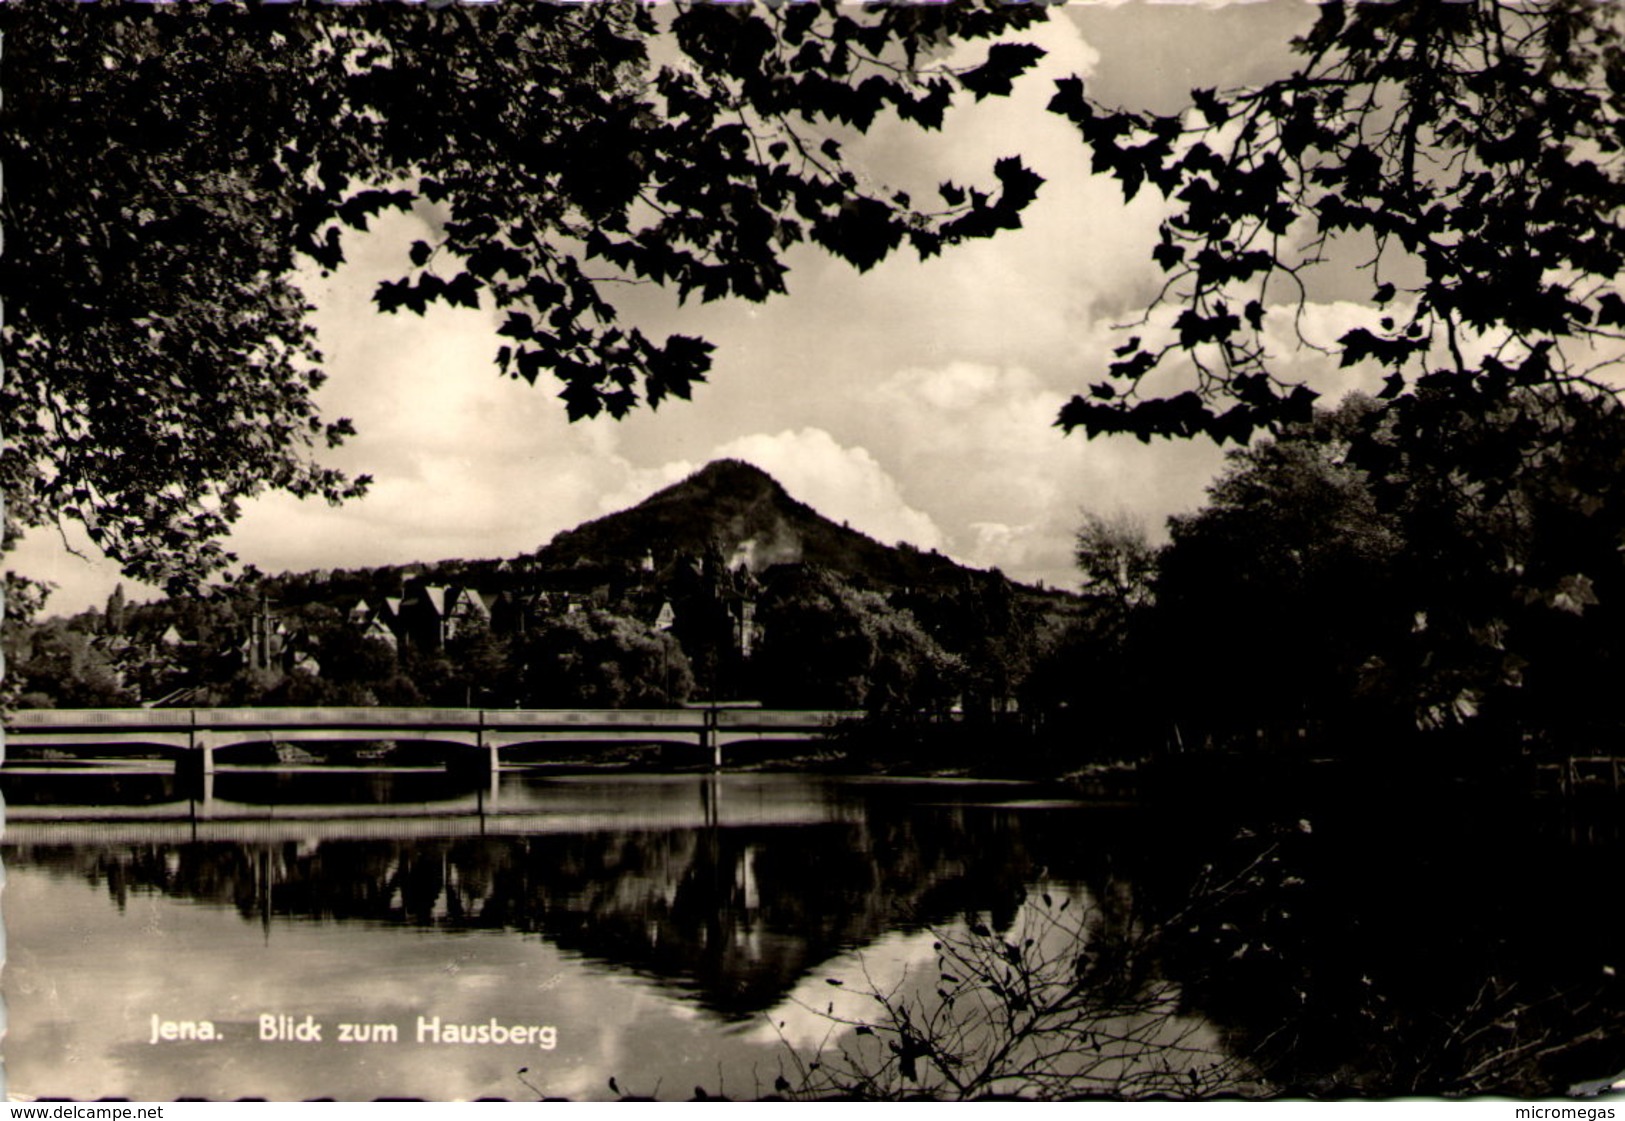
[
  {"x": 915, "y": 401},
  {"x": 845, "y": 484},
  {"x": 979, "y": 449}
]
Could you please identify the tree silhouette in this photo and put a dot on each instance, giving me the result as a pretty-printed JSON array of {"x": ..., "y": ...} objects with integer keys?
[
  {"x": 1462, "y": 164},
  {"x": 1464, "y": 159},
  {"x": 1273, "y": 598},
  {"x": 169, "y": 166},
  {"x": 1117, "y": 562}
]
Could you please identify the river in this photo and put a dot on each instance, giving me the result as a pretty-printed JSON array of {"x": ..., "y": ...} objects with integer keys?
[{"x": 588, "y": 936}]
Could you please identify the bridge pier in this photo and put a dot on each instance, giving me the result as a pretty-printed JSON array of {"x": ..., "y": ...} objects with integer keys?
[
  {"x": 482, "y": 762},
  {"x": 195, "y": 761},
  {"x": 194, "y": 773},
  {"x": 199, "y": 791},
  {"x": 710, "y": 739},
  {"x": 195, "y": 733}
]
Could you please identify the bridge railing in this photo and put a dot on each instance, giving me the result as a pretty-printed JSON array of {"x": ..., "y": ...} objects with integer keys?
[
  {"x": 781, "y": 718},
  {"x": 54, "y": 720},
  {"x": 608, "y": 717},
  {"x": 335, "y": 717}
]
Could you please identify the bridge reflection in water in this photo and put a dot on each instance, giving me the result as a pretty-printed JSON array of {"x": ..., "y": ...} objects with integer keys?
[
  {"x": 109, "y": 802},
  {"x": 726, "y": 888},
  {"x": 692, "y": 914}
]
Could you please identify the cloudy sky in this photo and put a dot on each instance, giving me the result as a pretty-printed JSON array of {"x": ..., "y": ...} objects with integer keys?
[{"x": 916, "y": 401}]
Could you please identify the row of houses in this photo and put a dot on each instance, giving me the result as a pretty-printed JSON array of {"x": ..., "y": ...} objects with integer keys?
[
  {"x": 427, "y": 616},
  {"x": 160, "y": 662},
  {"x": 708, "y": 607}
]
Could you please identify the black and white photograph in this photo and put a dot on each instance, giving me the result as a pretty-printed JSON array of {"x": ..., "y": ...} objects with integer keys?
[{"x": 813, "y": 550}]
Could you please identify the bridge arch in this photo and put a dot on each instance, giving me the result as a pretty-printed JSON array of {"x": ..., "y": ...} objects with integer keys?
[
  {"x": 137, "y": 741},
  {"x": 224, "y": 739},
  {"x": 465, "y": 735},
  {"x": 567, "y": 737}
]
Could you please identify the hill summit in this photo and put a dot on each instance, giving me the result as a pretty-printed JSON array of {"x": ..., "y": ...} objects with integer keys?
[
  {"x": 721, "y": 583},
  {"x": 743, "y": 512}
]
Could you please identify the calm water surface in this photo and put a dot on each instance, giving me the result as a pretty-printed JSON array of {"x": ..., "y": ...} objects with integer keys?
[
  {"x": 674, "y": 930},
  {"x": 677, "y": 931}
]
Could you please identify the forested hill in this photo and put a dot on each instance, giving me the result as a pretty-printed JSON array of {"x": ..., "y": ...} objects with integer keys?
[
  {"x": 743, "y": 512},
  {"x": 722, "y": 584}
]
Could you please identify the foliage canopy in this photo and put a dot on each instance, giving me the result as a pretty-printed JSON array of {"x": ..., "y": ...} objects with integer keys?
[
  {"x": 1464, "y": 160},
  {"x": 1452, "y": 177},
  {"x": 169, "y": 167}
]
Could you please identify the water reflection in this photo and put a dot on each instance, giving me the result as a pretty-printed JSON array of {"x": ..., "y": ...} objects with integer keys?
[
  {"x": 722, "y": 892},
  {"x": 1374, "y": 939},
  {"x": 667, "y": 923},
  {"x": 734, "y": 916}
]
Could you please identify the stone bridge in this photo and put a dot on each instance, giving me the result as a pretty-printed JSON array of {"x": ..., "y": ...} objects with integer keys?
[{"x": 476, "y": 736}]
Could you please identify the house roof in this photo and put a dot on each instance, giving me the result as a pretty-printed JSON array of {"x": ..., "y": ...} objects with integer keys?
[
  {"x": 467, "y": 599},
  {"x": 434, "y": 595}
]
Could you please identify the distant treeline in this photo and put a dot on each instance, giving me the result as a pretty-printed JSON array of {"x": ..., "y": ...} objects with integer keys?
[
  {"x": 1346, "y": 590},
  {"x": 605, "y": 635},
  {"x": 1343, "y": 591}
]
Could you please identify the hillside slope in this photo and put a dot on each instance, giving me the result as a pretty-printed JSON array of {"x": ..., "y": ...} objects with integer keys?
[{"x": 750, "y": 518}]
